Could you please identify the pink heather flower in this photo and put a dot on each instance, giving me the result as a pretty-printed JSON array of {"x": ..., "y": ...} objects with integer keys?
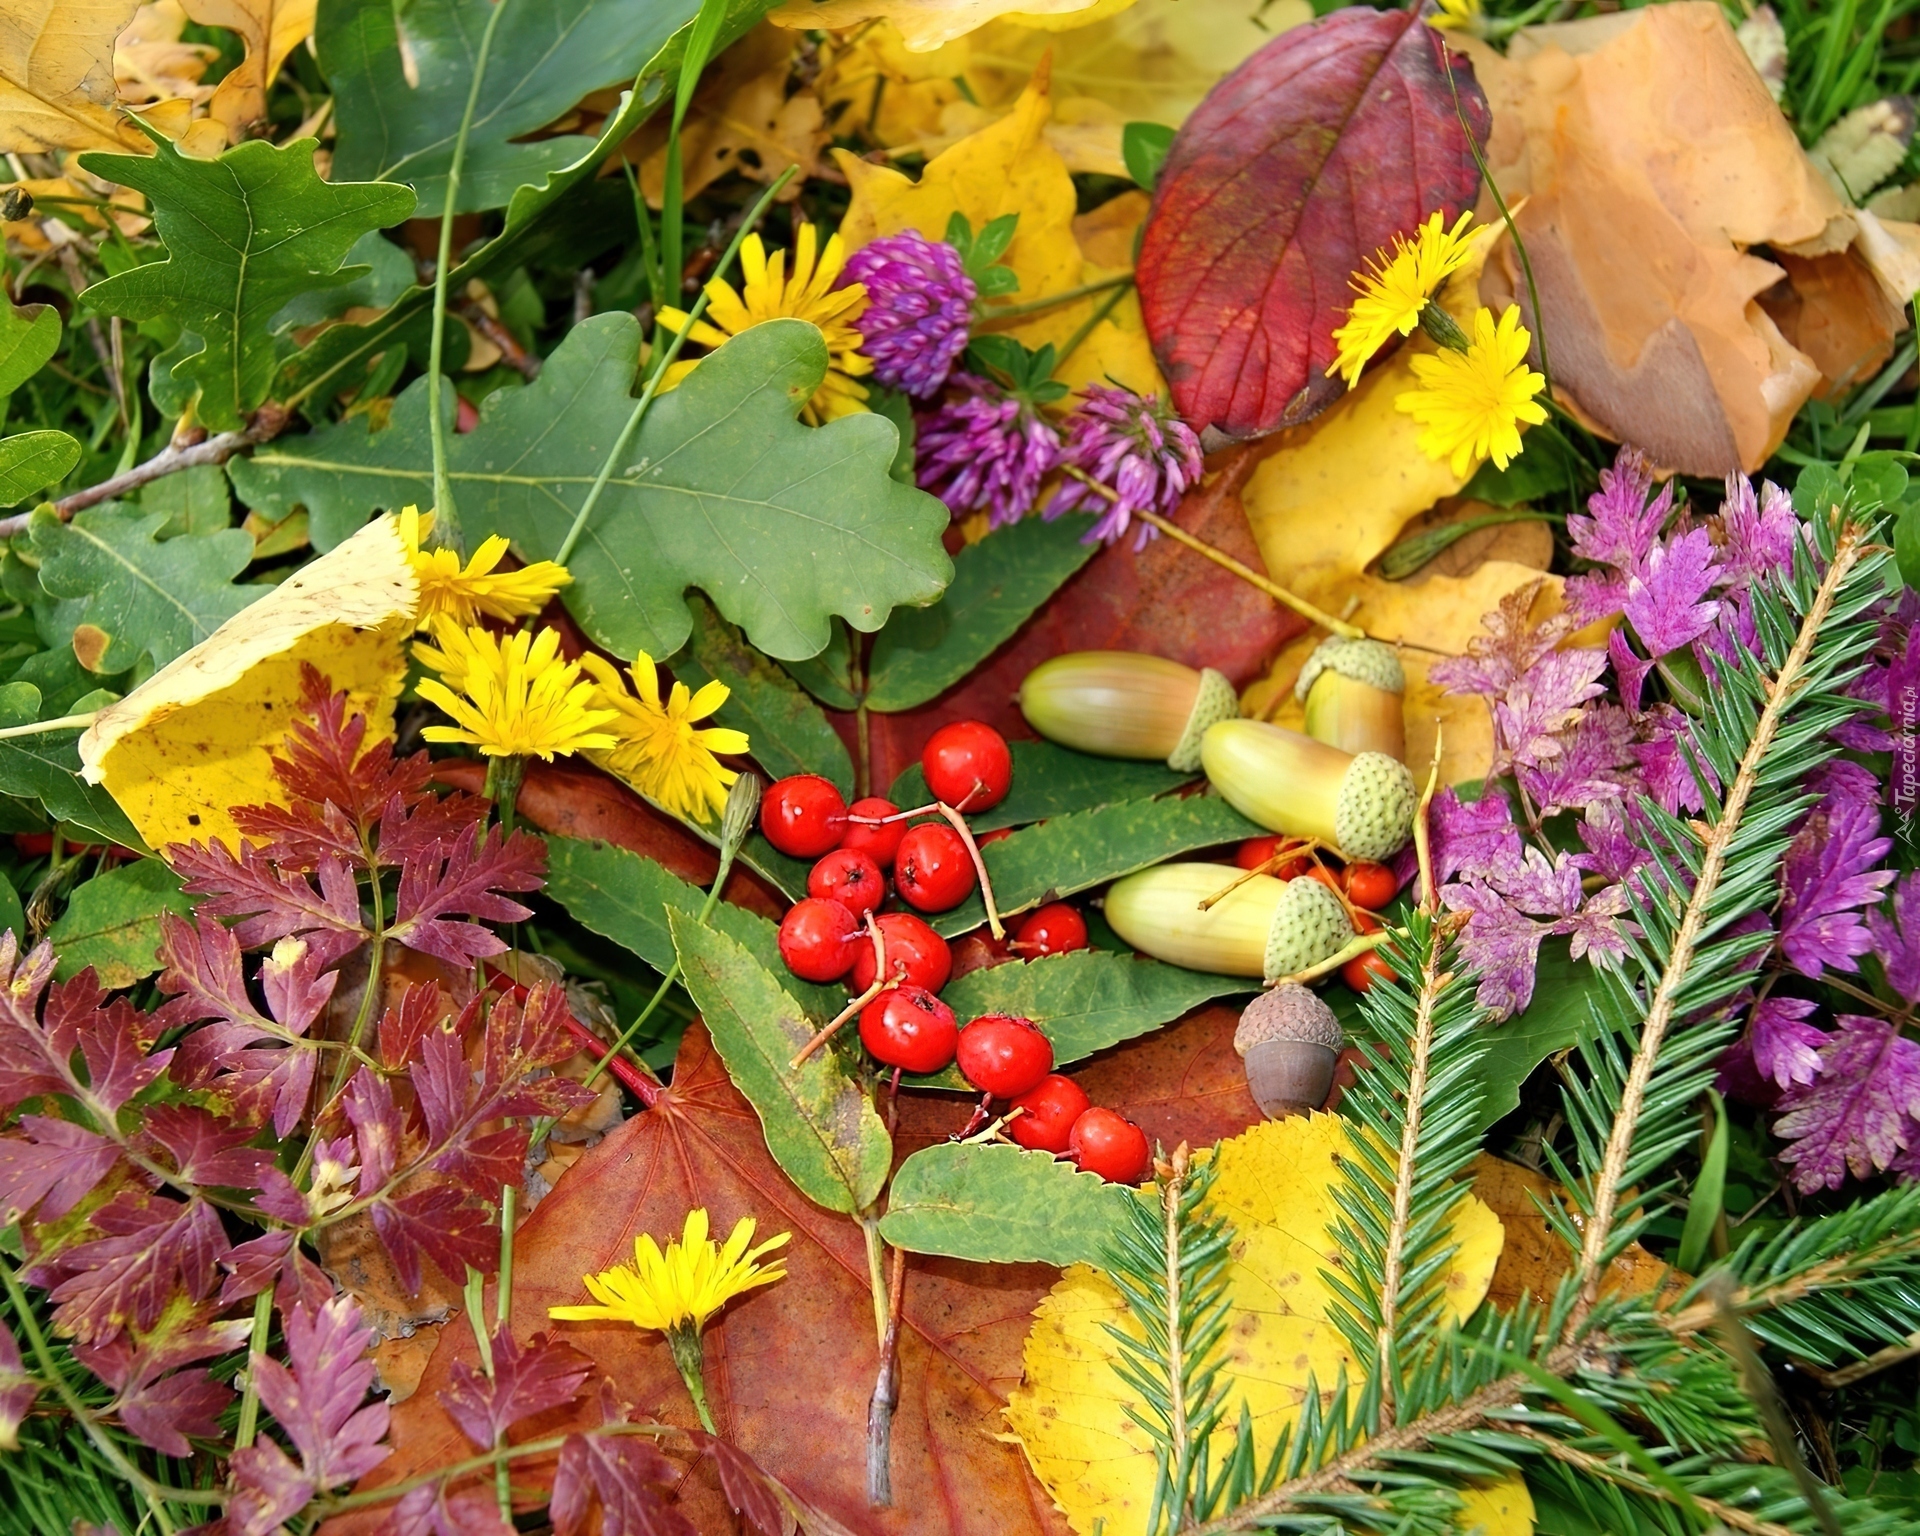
[
  {"x": 1135, "y": 447},
  {"x": 919, "y": 301},
  {"x": 985, "y": 448}
]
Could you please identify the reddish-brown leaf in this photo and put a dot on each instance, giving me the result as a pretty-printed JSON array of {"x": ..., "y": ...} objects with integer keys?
[
  {"x": 1302, "y": 163},
  {"x": 790, "y": 1367}
]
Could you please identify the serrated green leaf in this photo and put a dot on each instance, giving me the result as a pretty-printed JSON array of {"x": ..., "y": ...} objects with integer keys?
[
  {"x": 1050, "y": 780},
  {"x": 1083, "y": 1002},
  {"x": 781, "y": 525},
  {"x": 821, "y": 1129},
  {"x": 46, "y": 767},
  {"x": 193, "y": 500},
  {"x": 786, "y": 730},
  {"x": 112, "y": 923},
  {"x": 399, "y": 114},
  {"x": 32, "y": 461},
  {"x": 150, "y": 598},
  {"x": 1001, "y": 1204},
  {"x": 29, "y": 336},
  {"x": 1074, "y": 853},
  {"x": 625, "y": 897},
  {"x": 245, "y": 234},
  {"x": 996, "y": 586}
]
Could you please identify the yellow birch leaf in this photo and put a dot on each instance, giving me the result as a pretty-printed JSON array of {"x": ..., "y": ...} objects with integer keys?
[
  {"x": 195, "y": 739},
  {"x": 56, "y": 76},
  {"x": 271, "y": 29},
  {"x": 1276, "y": 1185},
  {"x": 1504, "y": 1508}
]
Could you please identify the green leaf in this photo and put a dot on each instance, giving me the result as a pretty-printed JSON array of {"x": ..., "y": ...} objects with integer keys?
[
  {"x": 1562, "y": 990},
  {"x": 1547, "y": 468},
  {"x": 787, "y": 731},
  {"x": 13, "y": 917},
  {"x": 1817, "y": 490},
  {"x": 782, "y": 525},
  {"x": 1072, "y": 853},
  {"x": 625, "y": 897},
  {"x": 113, "y": 923},
  {"x": 1000, "y": 1204},
  {"x": 244, "y": 234},
  {"x": 820, "y": 1128},
  {"x": 46, "y": 767},
  {"x": 1906, "y": 543},
  {"x": 387, "y": 272},
  {"x": 996, "y": 586},
  {"x": 194, "y": 501},
  {"x": 150, "y": 599},
  {"x": 1050, "y": 780},
  {"x": 398, "y": 113},
  {"x": 1144, "y": 146},
  {"x": 29, "y": 336},
  {"x": 1083, "y": 1002},
  {"x": 32, "y": 461},
  {"x": 1708, "y": 1201},
  {"x": 829, "y": 675}
]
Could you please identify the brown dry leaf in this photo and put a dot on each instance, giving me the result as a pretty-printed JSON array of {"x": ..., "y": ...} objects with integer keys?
[
  {"x": 56, "y": 76},
  {"x": 271, "y": 29},
  {"x": 1653, "y": 160},
  {"x": 1534, "y": 1259},
  {"x": 153, "y": 65}
]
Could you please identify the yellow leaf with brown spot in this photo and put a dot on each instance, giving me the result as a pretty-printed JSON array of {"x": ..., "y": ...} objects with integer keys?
[
  {"x": 56, "y": 76},
  {"x": 1276, "y": 1185},
  {"x": 195, "y": 740},
  {"x": 271, "y": 29}
]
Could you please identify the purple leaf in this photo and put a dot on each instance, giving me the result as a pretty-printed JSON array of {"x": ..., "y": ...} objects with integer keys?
[
  {"x": 1471, "y": 834},
  {"x": 315, "y": 1397},
  {"x": 1594, "y": 930},
  {"x": 1895, "y": 932},
  {"x": 1611, "y": 853},
  {"x": 624, "y": 1475},
  {"x": 1511, "y": 644},
  {"x": 434, "y": 1511},
  {"x": 1503, "y": 945},
  {"x": 1542, "y": 702},
  {"x": 1668, "y": 755},
  {"x": 525, "y": 1382},
  {"x": 1828, "y": 875},
  {"x": 151, "y": 1251},
  {"x": 54, "y": 1165},
  {"x": 268, "y": 1490},
  {"x": 1588, "y": 766},
  {"x": 1667, "y": 602},
  {"x": 1757, "y": 533},
  {"x": 1858, "y": 1113},
  {"x": 1785, "y": 1047},
  {"x": 17, "y": 1390},
  {"x": 1620, "y": 528},
  {"x": 166, "y": 1412},
  {"x": 458, "y": 877}
]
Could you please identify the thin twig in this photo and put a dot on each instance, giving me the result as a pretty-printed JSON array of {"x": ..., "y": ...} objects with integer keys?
[
  {"x": 1248, "y": 574},
  {"x": 1422, "y": 837},
  {"x": 1613, "y": 1472},
  {"x": 515, "y": 356},
  {"x": 886, "y": 1391},
  {"x": 881, "y": 983}
]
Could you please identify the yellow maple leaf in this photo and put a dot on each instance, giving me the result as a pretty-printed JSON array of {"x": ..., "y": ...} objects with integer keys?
[
  {"x": 56, "y": 76},
  {"x": 196, "y": 738},
  {"x": 1007, "y": 167},
  {"x": 1276, "y": 1185}
]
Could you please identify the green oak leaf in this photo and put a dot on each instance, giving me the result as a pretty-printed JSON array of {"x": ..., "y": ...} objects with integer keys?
[
  {"x": 245, "y": 234},
  {"x": 781, "y": 525},
  {"x": 29, "y": 336},
  {"x": 46, "y": 767},
  {"x": 399, "y": 114},
  {"x": 147, "y": 597},
  {"x": 1001, "y": 1204},
  {"x": 996, "y": 586},
  {"x": 821, "y": 1129},
  {"x": 1051, "y": 780},
  {"x": 113, "y": 923},
  {"x": 32, "y": 461},
  {"x": 1564, "y": 991}
]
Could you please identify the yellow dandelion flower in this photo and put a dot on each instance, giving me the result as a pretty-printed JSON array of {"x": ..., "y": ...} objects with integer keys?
[
  {"x": 1462, "y": 14},
  {"x": 660, "y": 752},
  {"x": 480, "y": 590},
  {"x": 683, "y": 1287},
  {"x": 511, "y": 695},
  {"x": 768, "y": 294},
  {"x": 1394, "y": 291},
  {"x": 1470, "y": 404}
]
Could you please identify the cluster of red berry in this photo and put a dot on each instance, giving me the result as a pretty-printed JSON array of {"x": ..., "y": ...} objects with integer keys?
[
  {"x": 969, "y": 768},
  {"x": 1365, "y": 887}
]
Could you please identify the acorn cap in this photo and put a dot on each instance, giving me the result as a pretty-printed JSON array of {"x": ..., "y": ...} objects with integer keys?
[
  {"x": 1309, "y": 924},
  {"x": 1288, "y": 1012},
  {"x": 1374, "y": 816},
  {"x": 1365, "y": 661},
  {"x": 1216, "y": 700}
]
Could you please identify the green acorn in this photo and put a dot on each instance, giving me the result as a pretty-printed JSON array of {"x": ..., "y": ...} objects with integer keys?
[
  {"x": 1361, "y": 804},
  {"x": 1355, "y": 693},
  {"x": 1290, "y": 1042},
  {"x": 1263, "y": 927},
  {"x": 1127, "y": 704}
]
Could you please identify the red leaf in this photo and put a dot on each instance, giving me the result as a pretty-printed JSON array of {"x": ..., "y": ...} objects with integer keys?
[
  {"x": 452, "y": 877},
  {"x": 206, "y": 1150},
  {"x": 1312, "y": 155},
  {"x": 403, "y": 1028},
  {"x": 436, "y": 1222},
  {"x": 621, "y": 1473},
  {"x": 17, "y": 1388},
  {"x": 749, "y": 1494},
  {"x": 527, "y": 1381},
  {"x": 433, "y": 1511},
  {"x": 315, "y": 1396},
  {"x": 274, "y": 903},
  {"x": 150, "y": 1251},
  {"x": 54, "y": 1166},
  {"x": 377, "y": 1128}
]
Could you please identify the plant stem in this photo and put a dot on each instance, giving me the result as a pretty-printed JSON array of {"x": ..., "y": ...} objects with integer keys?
[
  {"x": 657, "y": 370},
  {"x": 447, "y": 516},
  {"x": 876, "y": 1275},
  {"x": 502, "y": 787},
  {"x": 1091, "y": 323},
  {"x": 689, "y": 1358},
  {"x": 502, "y": 1306},
  {"x": 1171, "y": 1188},
  {"x": 41, "y": 727},
  {"x": 256, "y": 1346},
  {"x": 992, "y": 312},
  {"x": 1246, "y": 573}
]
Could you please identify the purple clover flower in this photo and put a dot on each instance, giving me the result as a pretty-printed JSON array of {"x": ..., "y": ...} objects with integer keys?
[
  {"x": 919, "y": 301},
  {"x": 1135, "y": 447},
  {"x": 985, "y": 448}
]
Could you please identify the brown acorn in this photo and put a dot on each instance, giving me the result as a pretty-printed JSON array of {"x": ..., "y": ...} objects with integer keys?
[{"x": 1289, "y": 1040}]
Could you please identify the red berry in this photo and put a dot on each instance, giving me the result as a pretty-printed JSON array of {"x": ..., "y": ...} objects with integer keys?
[
  {"x": 1053, "y": 930},
  {"x": 1004, "y": 1056},
  {"x": 968, "y": 765},
  {"x": 1325, "y": 876},
  {"x": 803, "y": 816},
  {"x": 1051, "y": 1108},
  {"x": 1364, "y": 921},
  {"x": 879, "y": 843},
  {"x": 1110, "y": 1145},
  {"x": 1359, "y": 972},
  {"x": 934, "y": 871},
  {"x": 1371, "y": 885},
  {"x": 850, "y": 878},
  {"x": 1255, "y": 851},
  {"x": 909, "y": 1028},
  {"x": 915, "y": 953},
  {"x": 818, "y": 939}
]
